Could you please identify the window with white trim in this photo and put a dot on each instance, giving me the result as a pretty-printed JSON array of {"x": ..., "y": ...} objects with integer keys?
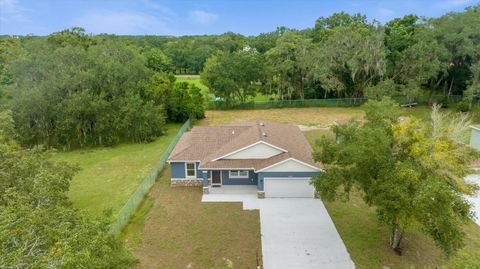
[
  {"x": 190, "y": 170},
  {"x": 238, "y": 174}
]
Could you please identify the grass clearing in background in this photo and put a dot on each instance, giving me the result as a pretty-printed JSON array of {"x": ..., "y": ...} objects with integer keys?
[
  {"x": 310, "y": 116},
  {"x": 321, "y": 116},
  {"x": 260, "y": 97},
  {"x": 108, "y": 176},
  {"x": 195, "y": 80}
]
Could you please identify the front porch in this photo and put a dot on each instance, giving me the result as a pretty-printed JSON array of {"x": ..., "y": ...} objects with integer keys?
[
  {"x": 233, "y": 193},
  {"x": 230, "y": 182},
  {"x": 234, "y": 189}
]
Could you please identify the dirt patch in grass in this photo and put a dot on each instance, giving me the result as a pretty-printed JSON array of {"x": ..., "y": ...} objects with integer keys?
[{"x": 181, "y": 232}]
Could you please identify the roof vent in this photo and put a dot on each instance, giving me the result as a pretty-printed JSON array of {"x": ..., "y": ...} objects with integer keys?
[
  {"x": 262, "y": 124},
  {"x": 264, "y": 134},
  {"x": 233, "y": 132}
]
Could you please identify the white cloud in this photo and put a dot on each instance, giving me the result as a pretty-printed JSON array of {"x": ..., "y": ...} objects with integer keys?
[
  {"x": 11, "y": 11},
  {"x": 454, "y": 3},
  {"x": 124, "y": 23},
  {"x": 202, "y": 17}
]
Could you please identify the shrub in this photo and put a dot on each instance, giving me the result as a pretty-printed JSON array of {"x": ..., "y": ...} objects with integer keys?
[{"x": 462, "y": 106}]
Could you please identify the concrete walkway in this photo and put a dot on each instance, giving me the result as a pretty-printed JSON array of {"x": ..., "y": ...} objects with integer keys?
[{"x": 296, "y": 232}]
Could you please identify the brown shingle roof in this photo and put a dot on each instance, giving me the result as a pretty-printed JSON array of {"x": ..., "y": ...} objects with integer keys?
[{"x": 207, "y": 143}]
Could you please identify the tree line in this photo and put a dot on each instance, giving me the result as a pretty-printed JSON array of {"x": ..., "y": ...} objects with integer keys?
[
  {"x": 341, "y": 56},
  {"x": 70, "y": 90},
  {"x": 108, "y": 88},
  {"x": 347, "y": 56}
]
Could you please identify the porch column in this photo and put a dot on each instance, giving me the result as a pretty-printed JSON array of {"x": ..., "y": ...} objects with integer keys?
[
  {"x": 205, "y": 182},
  {"x": 260, "y": 190}
]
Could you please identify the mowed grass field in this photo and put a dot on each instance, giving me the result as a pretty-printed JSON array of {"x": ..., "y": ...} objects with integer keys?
[
  {"x": 195, "y": 80},
  {"x": 108, "y": 176},
  {"x": 310, "y": 116},
  {"x": 174, "y": 229},
  {"x": 319, "y": 116}
]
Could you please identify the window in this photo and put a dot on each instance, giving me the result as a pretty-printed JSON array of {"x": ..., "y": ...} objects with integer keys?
[
  {"x": 190, "y": 169},
  {"x": 238, "y": 174}
]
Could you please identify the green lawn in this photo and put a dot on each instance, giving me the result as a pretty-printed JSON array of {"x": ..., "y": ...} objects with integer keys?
[
  {"x": 367, "y": 240},
  {"x": 109, "y": 175},
  {"x": 264, "y": 97},
  {"x": 174, "y": 229}
]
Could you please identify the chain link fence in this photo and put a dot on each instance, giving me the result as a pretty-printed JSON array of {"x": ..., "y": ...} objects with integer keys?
[
  {"x": 334, "y": 102},
  {"x": 137, "y": 197}
]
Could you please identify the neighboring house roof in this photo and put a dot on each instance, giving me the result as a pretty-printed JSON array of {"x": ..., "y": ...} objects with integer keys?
[{"x": 211, "y": 145}]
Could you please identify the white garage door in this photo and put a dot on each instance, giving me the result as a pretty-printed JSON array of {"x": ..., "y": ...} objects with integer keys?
[{"x": 288, "y": 187}]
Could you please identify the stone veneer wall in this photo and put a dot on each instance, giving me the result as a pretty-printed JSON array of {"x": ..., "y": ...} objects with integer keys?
[
  {"x": 188, "y": 182},
  {"x": 260, "y": 194}
]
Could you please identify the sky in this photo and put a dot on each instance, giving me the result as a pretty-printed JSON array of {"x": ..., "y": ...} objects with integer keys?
[{"x": 182, "y": 17}]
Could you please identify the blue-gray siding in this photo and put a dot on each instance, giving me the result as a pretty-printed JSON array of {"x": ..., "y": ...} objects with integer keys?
[
  {"x": 263, "y": 175},
  {"x": 251, "y": 180},
  {"x": 177, "y": 170}
]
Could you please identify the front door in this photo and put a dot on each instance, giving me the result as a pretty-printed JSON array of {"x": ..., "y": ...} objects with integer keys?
[{"x": 216, "y": 178}]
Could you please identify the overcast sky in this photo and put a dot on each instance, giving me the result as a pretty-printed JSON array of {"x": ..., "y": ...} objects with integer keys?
[{"x": 180, "y": 17}]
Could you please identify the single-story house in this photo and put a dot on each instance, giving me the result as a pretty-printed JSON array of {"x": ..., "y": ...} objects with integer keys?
[
  {"x": 475, "y": 137},
  {"x": 274, "y": 157}
]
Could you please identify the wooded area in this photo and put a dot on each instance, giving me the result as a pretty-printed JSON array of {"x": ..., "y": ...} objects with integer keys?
[
  {"x": 72, "y": 90},
  {"x": 111, "y": 88}
]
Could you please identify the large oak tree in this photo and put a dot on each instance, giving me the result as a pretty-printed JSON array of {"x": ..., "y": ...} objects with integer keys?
[{"x": 410, "y": 171}]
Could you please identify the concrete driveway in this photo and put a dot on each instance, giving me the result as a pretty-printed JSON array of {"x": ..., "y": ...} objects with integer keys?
[{"x": 296, "y": 232}]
